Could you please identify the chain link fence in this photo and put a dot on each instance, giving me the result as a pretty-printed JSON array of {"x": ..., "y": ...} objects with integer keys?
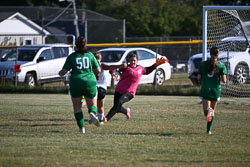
[
  {"x": 56, "y": 25},
  {"x": 95, "y": 27}
]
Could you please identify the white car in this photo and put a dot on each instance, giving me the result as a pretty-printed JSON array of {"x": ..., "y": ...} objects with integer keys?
[
  {"x": 236, "y": 57},
  {"x": 35, "y": 64},
  {"x": 116, "y": 56}
]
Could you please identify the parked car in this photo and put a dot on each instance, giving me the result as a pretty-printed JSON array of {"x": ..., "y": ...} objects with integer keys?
[
  {"x": 147, "y": 57},
  {"x": 35, "y": 64},
  {"x": 3, "y": 53},
  {"x": 236, "y": 57}
]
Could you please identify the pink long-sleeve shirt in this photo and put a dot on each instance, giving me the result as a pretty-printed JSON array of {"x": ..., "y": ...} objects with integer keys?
[{"x": 130, "y": 79}]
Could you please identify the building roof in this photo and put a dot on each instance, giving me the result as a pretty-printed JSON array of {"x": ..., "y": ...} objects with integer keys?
[{"x": 18, "y": 24}]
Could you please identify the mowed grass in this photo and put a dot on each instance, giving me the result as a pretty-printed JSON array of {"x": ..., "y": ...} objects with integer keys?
[{"x": 40, "y": 130}]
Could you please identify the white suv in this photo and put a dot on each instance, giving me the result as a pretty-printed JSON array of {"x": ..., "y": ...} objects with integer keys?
[
  {"x": 35, "y": 64},
  {"x": 236, "y": 58}
]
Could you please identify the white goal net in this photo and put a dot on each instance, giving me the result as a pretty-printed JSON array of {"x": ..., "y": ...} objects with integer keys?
[{"x": 228, "y": 28}]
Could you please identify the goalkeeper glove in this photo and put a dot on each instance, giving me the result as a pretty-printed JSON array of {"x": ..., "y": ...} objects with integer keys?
[{"x": 160, "y": 61}]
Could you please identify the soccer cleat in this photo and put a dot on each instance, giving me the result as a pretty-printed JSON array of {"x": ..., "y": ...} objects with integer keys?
[
  {"x": 82, "y": 130},
  {"x": 128, "y": 113},
  {"x": 209, "y": 132},
  {"x": 94, "y": 119},
  {"x": 209, "y": 115},
  {"x": 90, "y": 120},
  {"x": 103, "y": 120}
]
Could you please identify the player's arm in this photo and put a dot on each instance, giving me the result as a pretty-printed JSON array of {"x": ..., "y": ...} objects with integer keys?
[
  {"x": 63, "y": 72},
  {"x": 199, "y": 78},
  {"x": 95, "y": 65},
  {"x": 66, "y": 67},
  {"x": 159, "y": 61},
  {"x": 97, "y": 70},
  {"x": 224, "y": 78},
  {"x": 113, "y": 67}
]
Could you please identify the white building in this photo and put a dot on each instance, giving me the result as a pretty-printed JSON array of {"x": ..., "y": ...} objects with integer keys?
[{"x": 19, "y": 30}]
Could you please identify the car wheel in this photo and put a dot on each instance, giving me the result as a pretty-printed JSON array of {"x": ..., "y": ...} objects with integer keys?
[
  {"x": 30, "y": 80},
  {"x": 116, "y": 77},
  {"x": 241, "y": 74},
  {"x": 159, "y": 77}
]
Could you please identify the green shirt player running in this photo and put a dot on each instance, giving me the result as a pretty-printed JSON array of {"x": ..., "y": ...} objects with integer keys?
[
  {"x": 211, "y": 73},
  {"x": 84, "y": 67}
]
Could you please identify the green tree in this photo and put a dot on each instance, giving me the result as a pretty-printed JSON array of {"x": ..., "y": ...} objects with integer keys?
[
  {"x": 190, "y": 17},
  {"x": 154, "y": 17},
  {"x": 232, "y": 2},
  {"x": 145, "y": 17},
  {"x": 165, "y": 18}
]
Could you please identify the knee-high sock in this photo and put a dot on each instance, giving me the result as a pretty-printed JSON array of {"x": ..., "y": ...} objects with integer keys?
[
  {"x": 92, "y": 109},
  {"x": 79, "y": 119},
  {"x": 100, "y": 115},
  {"x": 209, "y": 124}
]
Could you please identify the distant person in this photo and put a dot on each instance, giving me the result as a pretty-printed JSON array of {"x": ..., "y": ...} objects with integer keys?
[
  {"x": 102, "y": 85},
  {"x": 84, "y": 67},
  {"x": 126, "y": 87},
  {"x": 210, "y": 74}
]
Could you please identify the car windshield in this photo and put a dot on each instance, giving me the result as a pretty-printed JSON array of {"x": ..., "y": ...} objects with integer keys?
[
  {"x": 233, "y": 46},
  {"x": 112, "y": 56},
  {"x": 27, "y": 54},
  {"x": 11, "y": 56},
  {"x": 24, "y": 54}
]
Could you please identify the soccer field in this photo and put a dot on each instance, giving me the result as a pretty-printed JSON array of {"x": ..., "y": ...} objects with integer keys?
[{"x": 40, "y": 130}]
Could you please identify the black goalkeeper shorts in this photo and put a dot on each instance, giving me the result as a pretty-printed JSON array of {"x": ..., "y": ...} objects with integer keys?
[{"x": 101, "y": 93}]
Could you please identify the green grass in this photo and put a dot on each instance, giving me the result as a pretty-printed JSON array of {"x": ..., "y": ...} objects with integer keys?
[
  {"x": 178, "y": 78},
  {"x": 40, "y": 130}
]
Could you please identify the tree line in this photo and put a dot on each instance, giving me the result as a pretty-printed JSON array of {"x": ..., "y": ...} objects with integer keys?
[{"x": 145, "y": 17}]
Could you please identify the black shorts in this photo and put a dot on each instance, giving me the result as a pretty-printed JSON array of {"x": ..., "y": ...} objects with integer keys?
[{"x": 101, "y": 93}]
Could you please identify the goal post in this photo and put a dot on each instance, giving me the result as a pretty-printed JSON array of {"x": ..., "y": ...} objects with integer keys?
[{"x": 228, "y": 28}]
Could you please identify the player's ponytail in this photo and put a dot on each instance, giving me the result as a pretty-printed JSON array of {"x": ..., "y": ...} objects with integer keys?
[
  {"x": 213, "y": 61},
  {"x": 81, "y": 45}
]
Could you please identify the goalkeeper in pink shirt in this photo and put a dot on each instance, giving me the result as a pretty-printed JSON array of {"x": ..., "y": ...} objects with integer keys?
[{"x": 126, "y": 87}]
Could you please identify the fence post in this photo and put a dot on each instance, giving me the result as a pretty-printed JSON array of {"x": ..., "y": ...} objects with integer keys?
[{"x": 16, "y": 64}]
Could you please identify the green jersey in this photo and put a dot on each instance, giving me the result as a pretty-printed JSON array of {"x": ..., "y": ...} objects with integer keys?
[
  {"x": 210, "y": 85},
  {"x": 82, "y": 79}
]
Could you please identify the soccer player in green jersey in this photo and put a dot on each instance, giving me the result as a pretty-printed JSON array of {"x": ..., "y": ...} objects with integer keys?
[
  {"x": 84, "y": 67},
  {"x": 210, "y": 74}
]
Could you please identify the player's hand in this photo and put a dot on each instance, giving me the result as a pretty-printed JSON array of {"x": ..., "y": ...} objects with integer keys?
[
  {"x": 160, "y": 61},
  {"x": 124, "y": 65}
]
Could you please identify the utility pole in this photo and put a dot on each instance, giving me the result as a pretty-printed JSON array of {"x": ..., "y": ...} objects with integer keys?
[
  {"x": 73, "y": 2},
  {"x": 76, "y": 19}
]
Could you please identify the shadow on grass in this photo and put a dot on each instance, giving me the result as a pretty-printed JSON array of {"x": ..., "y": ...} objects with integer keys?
[
  {"x": 50, "y": 120},
  {"x": 197, "y": 161},
  {"x": 44, "y": 120},
  {"x": 38, "y": 125},
  {"x": 141, "y": 134}
]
